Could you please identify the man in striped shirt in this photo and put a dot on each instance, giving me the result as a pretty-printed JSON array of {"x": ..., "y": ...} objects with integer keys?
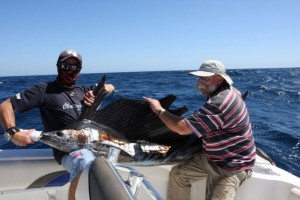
[{"x": 223, "y": 123}]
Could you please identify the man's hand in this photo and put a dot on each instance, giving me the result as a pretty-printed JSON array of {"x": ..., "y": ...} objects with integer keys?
[
  {"x": 109, "y": 88},
  {"x": 173, "y": 122},
  {"x": 154, "y": 104},
  {"x": 89, "y": 98},
  {"x": 22, "y": 138}
]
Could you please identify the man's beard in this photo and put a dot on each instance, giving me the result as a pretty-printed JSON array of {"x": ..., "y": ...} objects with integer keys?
[{"x": 209, "y": 88}]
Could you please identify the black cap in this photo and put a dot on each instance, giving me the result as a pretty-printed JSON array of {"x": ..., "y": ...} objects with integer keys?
[{"x": 68, "y": 54}]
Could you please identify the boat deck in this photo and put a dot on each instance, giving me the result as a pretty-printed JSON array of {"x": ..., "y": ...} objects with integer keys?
[{"x": 31, "y": 174}]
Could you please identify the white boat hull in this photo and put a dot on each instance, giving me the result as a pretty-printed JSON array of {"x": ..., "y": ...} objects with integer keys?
[{"x": 23, "y": 170}]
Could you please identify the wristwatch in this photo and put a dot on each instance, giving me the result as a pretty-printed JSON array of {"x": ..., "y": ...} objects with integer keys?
[
  {"x": 10, "y": 132},
  {"x": 161, "y": 111}
]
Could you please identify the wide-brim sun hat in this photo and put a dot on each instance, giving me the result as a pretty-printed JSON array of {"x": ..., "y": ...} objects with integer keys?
[{"x": 212, "y": 67}]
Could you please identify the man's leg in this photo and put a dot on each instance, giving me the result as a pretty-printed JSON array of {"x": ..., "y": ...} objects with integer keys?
[
  {"x": 73, "y": 187},
  {"x": 75, "y": 162},
  {"x": 225, "y": 188},
  {"x": 182, "y": 175}
]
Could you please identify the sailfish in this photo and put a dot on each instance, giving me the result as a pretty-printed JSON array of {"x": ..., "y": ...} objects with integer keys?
[{"x": 126, "y": 124}]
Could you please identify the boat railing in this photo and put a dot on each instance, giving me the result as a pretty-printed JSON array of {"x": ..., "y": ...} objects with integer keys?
[{"x": 135, "y": 178}]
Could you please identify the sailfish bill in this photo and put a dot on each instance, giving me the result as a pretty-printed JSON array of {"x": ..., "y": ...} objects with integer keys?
[{"x": 128, "y": 125}]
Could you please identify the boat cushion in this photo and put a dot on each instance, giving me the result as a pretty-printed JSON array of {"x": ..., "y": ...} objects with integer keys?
[{"x": 106, "y": 183}]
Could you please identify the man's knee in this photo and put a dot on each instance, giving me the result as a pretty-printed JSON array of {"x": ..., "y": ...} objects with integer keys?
[
  {"x": 76, "y": 161},
  {"x": 227, "y": 187}
]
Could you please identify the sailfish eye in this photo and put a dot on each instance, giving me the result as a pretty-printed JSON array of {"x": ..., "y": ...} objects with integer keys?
[{"x": 59, "y": 134}]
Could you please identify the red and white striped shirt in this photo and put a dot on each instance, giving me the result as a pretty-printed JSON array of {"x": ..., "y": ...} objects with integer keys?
[{"x": 223, "y": 123}]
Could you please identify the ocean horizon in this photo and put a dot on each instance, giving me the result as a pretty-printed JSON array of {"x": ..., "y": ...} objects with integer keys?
[{"x": 180, "y": 70}]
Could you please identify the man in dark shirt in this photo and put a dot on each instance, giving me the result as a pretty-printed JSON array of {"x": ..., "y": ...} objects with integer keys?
[
  {"x": 223, "y": 124},
  {"x": 60, "y": 103}
]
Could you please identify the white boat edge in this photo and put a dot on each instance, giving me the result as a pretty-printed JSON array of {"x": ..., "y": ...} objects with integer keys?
[{"x": 23, "y": 170}]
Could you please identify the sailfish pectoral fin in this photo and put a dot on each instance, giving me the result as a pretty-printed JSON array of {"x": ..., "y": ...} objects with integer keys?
[{"x": 100, "y": 94}]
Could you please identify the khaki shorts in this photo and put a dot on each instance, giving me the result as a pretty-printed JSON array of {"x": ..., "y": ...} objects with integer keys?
[{"x": 220, "y": 184}]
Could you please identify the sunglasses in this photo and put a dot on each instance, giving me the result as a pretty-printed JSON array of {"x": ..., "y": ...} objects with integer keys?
[{"x": 66, "y": 67}]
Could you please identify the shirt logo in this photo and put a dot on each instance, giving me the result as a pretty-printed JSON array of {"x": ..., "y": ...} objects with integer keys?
[
  {"x": 18, "y": 96},
  {"x": 70, "y": 106}
]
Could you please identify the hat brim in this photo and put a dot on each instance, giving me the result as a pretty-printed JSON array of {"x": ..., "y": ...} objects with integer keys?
[
  {"x": 202, "y": 73},
  {"x": 207, "y": 74},
  {"x": 65, "y": 58},
  {"x": 227, "y": 79}
]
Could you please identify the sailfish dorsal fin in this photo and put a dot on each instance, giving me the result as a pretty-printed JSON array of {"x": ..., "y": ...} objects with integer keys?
[
  {"x": 100, "y": 94},
  {"x": 133, "y": 118}
]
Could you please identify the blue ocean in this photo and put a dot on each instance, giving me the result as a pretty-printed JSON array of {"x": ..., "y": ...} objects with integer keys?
[{"x": 273, "y": 102}]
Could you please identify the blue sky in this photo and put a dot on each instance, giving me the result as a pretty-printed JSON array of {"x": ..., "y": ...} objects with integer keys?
[{"x": 148, "y": 35}]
